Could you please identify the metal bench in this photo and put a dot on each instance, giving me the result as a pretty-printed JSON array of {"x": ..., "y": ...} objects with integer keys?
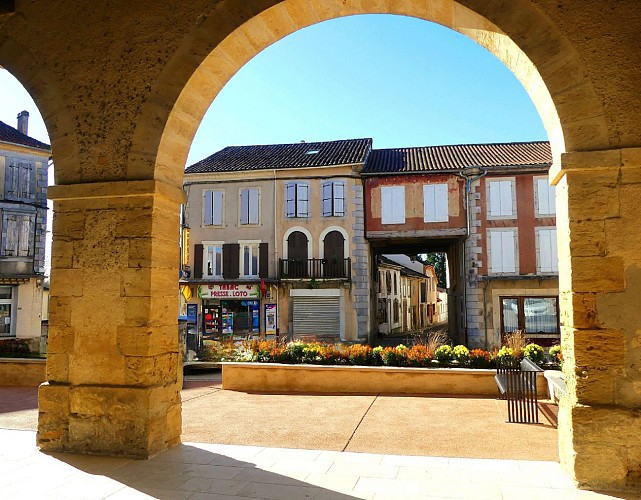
[
  {"x": 516, "y": 382},
  {"x": 556, "y": 384}
]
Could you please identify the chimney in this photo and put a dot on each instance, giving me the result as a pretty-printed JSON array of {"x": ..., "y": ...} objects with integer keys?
[{"x": 23, "y": 122}]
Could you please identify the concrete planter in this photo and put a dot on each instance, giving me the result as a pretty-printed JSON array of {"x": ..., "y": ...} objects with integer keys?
[
  {"x": 273, "y": 377},
  {"x": 24, "y": 372}
]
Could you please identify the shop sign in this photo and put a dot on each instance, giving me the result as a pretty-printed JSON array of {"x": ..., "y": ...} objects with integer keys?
[{"x": 229, "y": 291}]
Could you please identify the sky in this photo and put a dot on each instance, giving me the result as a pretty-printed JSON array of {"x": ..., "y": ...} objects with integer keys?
[{"x": 401, "y": 81}]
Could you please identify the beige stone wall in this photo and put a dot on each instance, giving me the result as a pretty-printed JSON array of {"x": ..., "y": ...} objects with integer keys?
[{"x": 22, "y": 372}]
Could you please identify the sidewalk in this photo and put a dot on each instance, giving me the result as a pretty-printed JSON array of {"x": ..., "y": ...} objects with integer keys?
[{"x": 241, "y": 445}]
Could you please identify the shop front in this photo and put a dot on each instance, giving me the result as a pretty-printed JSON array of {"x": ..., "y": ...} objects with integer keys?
[{"x": 233, "y": 311}]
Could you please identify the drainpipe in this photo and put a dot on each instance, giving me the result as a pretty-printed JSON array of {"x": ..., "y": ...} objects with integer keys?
[{"x": 470, "y": 174}]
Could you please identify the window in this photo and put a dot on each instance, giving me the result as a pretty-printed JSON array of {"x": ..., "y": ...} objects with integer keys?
[
  {"x": 17, "y": 235},
  {"x": 381, "y": 311},
  {"x": 249, "y": 206},
  {"x": 545, "y": 197},
  {"x": 213, "y": 208},
  {"x": 213, "y": 259},
  {"x": 537, "y": 316},
  {"x": 297, "y": 199},
  {"x": 502, "y": 250},
  {"x": 392, "y": 205},
  {"x": 397, "y": 310},
  {"x": 19, "y": 179},
  {"x": 333, "y": 193},
  {"x": 249, "y": 258},
  {"x": 6, "y": 310},
  {"x": 501, "y": 202},
  {"x": 435, "y": 203},
  {"x": 546, "y": 250}
]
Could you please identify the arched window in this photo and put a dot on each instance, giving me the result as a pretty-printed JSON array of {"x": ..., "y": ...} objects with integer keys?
[
  {"x": 297, "y": 255},
  {"x": 334, "y": 252}
]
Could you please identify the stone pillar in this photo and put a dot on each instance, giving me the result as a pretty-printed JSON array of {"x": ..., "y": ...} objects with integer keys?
[
  {"x": 598, "y": 214},
  {"x": 113, "y": 369}
]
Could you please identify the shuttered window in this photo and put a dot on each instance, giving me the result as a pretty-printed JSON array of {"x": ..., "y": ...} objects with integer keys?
[
  {"x": 249, "y": 206},
  {"x": 213, "y": 208},
  {"x": 502, "y": 251},
  {"x": 547, "y": 256},
  {"x": 545, "y": 197},
  {"x": 435, "y": 203},
  {"x": 316, "y": 316},
  {"x": 393, "y": 205},
  {"x": 500, "y": 199},
  {"x": 297, "y": 199},
  {"x": 19, "y": 179},
  {"x": 333, "y": 194},
  {"x": 17, "y": 235}
]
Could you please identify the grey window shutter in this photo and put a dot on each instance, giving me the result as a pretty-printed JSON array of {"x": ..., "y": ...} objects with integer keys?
[
  {"x": 290, "y": 199},
  {"x": 244, "y": 206},
  {"x": 198, "y": 261},
  {"x": 339, "y": 198},
  {"x": 217, "y": 218},
  {"x": 302, "y": 205},
  {"x": 327, "y": 198},
  {"x": 207, "y": 208},
  {"x": 231, "y": 256},
  {"x": 263, "y": 260},
  {"x": 253, "y": 206}
]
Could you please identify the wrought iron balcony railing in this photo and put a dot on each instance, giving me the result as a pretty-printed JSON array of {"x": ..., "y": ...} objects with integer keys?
[{"x": 330, "y": 268}]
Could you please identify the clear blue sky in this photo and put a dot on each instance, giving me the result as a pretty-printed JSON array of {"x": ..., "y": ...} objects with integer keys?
[{"x": 401, "y": 81}]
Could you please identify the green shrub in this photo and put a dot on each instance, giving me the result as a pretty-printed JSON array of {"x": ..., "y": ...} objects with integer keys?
[
  {"x": 556, "y": 355},
  {"x": 444, "y": 354},
  {"x": 461, "y": 354},
  {"x": 534, "y": 353},
  {"x": 394, "y": 356}
]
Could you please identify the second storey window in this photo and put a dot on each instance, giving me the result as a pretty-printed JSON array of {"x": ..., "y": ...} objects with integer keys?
[
  {"x": 249, "y": 206},
  {"x": 17, "y": 235},
  {"x": 546, "y": 251},
  {"x": 502, "y": 258},
  {"x": 19, "y": 179},
  {"x": 333, "y": 193},
  {"x": 213, "y": 259},
  {"x": 213, "y": 208},
  {"x": 249, "y": 258},
  {"x": 501, "y": 202},
  {"x": 435, "y": 203},
  {"x": 297, "y": 199},
  {"x": 545, "y": 197},
  {"x": 393, "y": 205}
]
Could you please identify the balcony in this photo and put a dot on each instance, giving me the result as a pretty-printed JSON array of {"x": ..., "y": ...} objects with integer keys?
[{"x": 325, "y": 269}]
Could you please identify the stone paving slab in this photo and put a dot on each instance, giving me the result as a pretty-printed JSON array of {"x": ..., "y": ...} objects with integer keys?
[{"x": 217, "y": 471}]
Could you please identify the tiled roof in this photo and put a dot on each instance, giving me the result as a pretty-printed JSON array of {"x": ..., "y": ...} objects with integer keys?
[
  {"x": 435, "y": 158},
  {"x": 298, "y": 155},
  {"x": 404, "y": 270},
  {"x": 14, "y": 136}
]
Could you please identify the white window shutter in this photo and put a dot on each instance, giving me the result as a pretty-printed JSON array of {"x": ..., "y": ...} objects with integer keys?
[
  {"x": 496, "y": 248},
  {"x": 495, "y": 198},
  {"x": 429, "y": 209},
  {"x": 507, "y": 251},
  {"x": 554, "y": 251},
  {"x": 217, "y": 218},
  {"x": 545, "y": 257},
  {"x": 506, "y": 198},
  {"x": 398, "y": 204},
  {"x": 387, "y": 216},
  {"x": 253, "y": 206},
  {"x": 207, "y": 208},
  {"x": 290, "y": 199},
  {"x": 441, "y": 203},
  {"x": 244, "y": 206},
  {"x": 543, "y": 196}
]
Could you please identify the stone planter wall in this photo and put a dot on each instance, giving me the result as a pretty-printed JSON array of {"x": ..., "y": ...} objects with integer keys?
[
  {"x": 25, "y": 372},
  {"x": 273, "y": 377}
]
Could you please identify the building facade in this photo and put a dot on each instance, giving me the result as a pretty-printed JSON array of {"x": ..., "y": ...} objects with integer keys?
[
  {"x": 284, "y": 224},
  {"x": 23, "y": 214},
  {"x": 491, "y": 209}
]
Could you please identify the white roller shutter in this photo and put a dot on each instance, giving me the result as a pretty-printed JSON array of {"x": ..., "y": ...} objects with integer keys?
[{"x": 316, "y": 316}]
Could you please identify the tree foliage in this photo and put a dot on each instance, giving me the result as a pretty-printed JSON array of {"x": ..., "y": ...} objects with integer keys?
[{"x": 439, "y": 262}]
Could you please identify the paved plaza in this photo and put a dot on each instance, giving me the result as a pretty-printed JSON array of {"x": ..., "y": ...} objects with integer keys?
[{"x": 278, "y": 446}]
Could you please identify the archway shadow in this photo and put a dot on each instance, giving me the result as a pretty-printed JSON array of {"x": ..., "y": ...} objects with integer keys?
[{"x": 218, "y": 470}]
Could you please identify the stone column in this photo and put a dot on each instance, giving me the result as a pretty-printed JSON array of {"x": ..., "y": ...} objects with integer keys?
[
  {"x": 599, "y": 233},
  {"x": 113, "y": 369}
]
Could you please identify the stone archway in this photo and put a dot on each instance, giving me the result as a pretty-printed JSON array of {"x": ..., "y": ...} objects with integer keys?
[{"x": 122, "y": 94}]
